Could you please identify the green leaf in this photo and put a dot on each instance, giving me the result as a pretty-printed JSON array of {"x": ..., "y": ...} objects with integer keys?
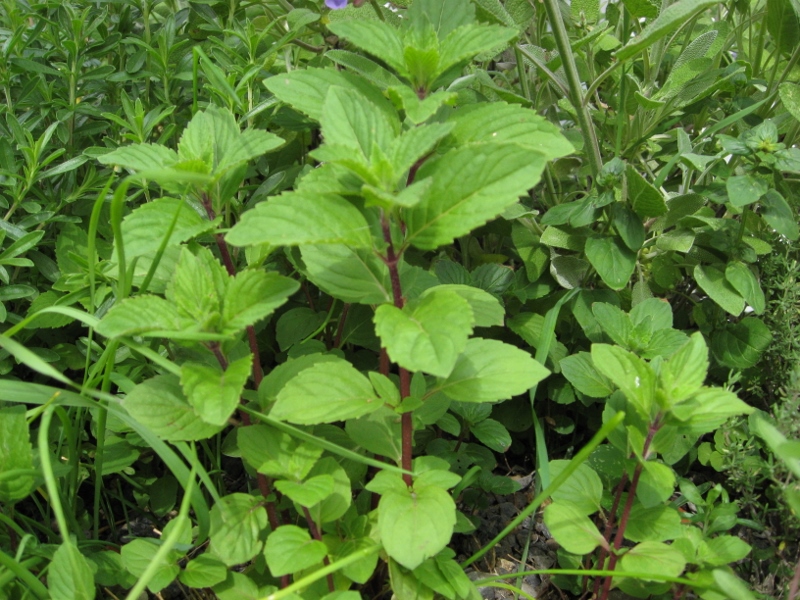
[
  {"x": 571, "y": 528},
  {"x": 309, "y": 492},
  {"x": 745, "y": 189},
  {"x": 492, "y": 434},
  {"x": 731, "y": 586},
  {"x": 139, "y": 316},
  {"x": 489, "y": 371},
  {"x": 70, "y": 576},
  {"x": 614, "y": 322},
  {"x": 470, "y": 40},
  {"x": 137, "y": 556},
  {"x": 352, "y": 121},
  {"x": 144, "y": 229},
  {"x": 427, "y": 335},
  {"x": 15, "y": 453},
  {"x": 349, "y": 274},
  {"x": 470, "y": 186},
  {"x": 203, "y": 571},
  {"x": 790, "y": 97},
  {"x": 670, "y": 19},
  {"x": 645, "y": 199},
  {"x": 253, "y": 295},
  {"x": 415, "y": 525},
  {"x": 686, "y": 370},
  {"x": 486, "y": 309},
  {"x": 378, "y": 432},
  {"x": 375, "y": 37},
  {"x": 160, "y": 405},
  {"x": 779, "y": 215},
  {"x": 712, "y": 281},
  {"x": 290, "y": 549},
  {"x": 324, "y": 393},
  {"x": 629, "y": 373},
  {"x": 237, "y": 525},
  {"x": 499, "y": 122},
  {"x": 723, "y": 550},
  {"x": 212, "y": 392},
  {"x": 583, "y": 490},
  {"x": 415, "y": 143},
  {"x": 612, "y": 260},
  {"x": 656, "y": 484},
  {"x": 653, "y": 557},
  {"x": 783, "y": 23},
  {"x": 740, "y": 346},
  {"x": 140, "y": 157},
  {"x": 628, "y": 225},
  {"x": 195, "y": 287},
  {"x": 653, "y": 524},
  {"x": 335, "y": 505},
  {"x": 580, "y": 371},
  {"x": 296, "y": 218},
  {"x": 744, "y": 281},
  {"x": 707, "y": 410},
  {"x": 275, "y": 453},
  {"x": 443, "y": 15}
]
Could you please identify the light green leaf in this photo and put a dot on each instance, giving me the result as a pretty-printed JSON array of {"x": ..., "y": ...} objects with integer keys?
[
  {"x": 237, "y": 525},
  {"x": 140, "y": 157},
  {"x": 253, "y": 295},
  {"x": 427, "y": 335},
  {"x": 723, "y": 550},
  {"x": 581, "y": 373},
  {"x": 336, "y": 504},
  {"x": 712, "y": 281},
  {"x": 378, "y": 432},
  {"x": 309, "y": 492},
  {"x": 470, "y": 40},
  {"x": 686, "y": 370},
  {"x": 276, "y": 454},
  {"x": 645, "y": 199},
  {"x": 612, "y": 260},
  {"x": 15, "y": 453},
  {"x": 656, "y": 484},
  {"x": 212, "y": 392},
  {"x": 140, "y": 315},
  {"x": 731, "y": 586},
  {"x": 296, "y": 218},
  {"x": 290, "y": 549},
  {"x": 790, "y": 97},
  {"x": 653, "y": 557},
  {"x": 486, "y": 309},
  {"x": 443, "y": 15},
  {"x": 193, "y": 289},
  {"x": 670, "y": 19},
  {"x": 415, "y": 143},
  {"x": 70, "y": 576},
  {"x": 629, "y": 373},
  {"x": 203, "y": 571},
  {"x": 745, "y": 189},
  {"x": 375, "y": 37},
  {"x": 470, "y": 186},
  {"x": 583, "y": 490},
  {"x": 349, "y": 274},
  {"x": 571, "y": 528},
  {"x": 160, "y": 405},
  {"x": 324, "y": 393},
  {"x": 415, "y": 525},
  {"x": 614, "y": 322},
  {"x": 707, "y": 410},
  {"x": 653, "y": 524},
  {"x": 740, "y": 346},
  {"x": 489, "y": 371},
  {"x": 144, "y": 229},
  {"x": 350, "y": 120},
  {"x": 137, "y": 556}
]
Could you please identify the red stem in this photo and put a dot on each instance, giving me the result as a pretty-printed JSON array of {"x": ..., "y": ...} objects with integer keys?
[
  {"x": 609, "y": 528},
  {"x": 312, "y": 527}
]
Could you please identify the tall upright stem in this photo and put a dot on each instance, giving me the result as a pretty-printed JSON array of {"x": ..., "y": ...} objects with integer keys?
[{"x": 574, "y": 83}]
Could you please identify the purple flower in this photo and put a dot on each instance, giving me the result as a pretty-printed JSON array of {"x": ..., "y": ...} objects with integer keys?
[{"x": 336, "y": 4}]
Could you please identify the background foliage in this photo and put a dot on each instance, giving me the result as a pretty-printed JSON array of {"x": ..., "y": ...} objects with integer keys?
[{"x": 283, "y": 286}]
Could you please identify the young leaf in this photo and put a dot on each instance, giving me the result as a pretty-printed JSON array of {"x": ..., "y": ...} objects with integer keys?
[
  {"x": 309, "y": 492},
  {"x": 629, "y": 373},
  {"x": 237, "y": 525},
  {"x": 489, "y": 371},
  {"x": 415, "y": 143},
  {"x": 375, "y": 37},
  {"x": 192, "y": 288},
  {"x": 290, "y": 549},
  {"x": 351, "y": 121},
  {"x": 214, "y": 393},
  {"x": 253, "y": 295},
  {"x": 415, "y": 524},
  {"x": 296, "y": 218},
  {"x": 427, "y": 335},
  {"x": 15, "y": 453},
  {"x": 324, "y": 393},
  {"x": 572, "y": 528},
  {"x": 160, "y": 405},
  {"x": 471, "y": 185}
]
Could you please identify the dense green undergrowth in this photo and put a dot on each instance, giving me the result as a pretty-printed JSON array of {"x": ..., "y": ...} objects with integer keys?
[{"x": 283, "y": 286}]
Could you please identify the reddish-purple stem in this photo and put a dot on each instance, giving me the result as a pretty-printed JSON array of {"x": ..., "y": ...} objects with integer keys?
[{"x": 312, "y": 527}]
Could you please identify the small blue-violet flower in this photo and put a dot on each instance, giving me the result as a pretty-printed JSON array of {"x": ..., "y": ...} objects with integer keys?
[{"x": 336, "y": 4}]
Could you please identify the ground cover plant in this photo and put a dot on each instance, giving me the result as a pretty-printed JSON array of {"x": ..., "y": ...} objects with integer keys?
[{"x": 290, "y": 289}]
